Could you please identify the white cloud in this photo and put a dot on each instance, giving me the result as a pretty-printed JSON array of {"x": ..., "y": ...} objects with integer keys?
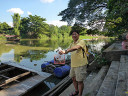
[
  {"x": 29, "y": 13},
  {"x": 57, "y": 23},
  {"x": 47, "y": 1},
  {"x": 10, "y": 24},
  {"x": 15, "y": 10}
]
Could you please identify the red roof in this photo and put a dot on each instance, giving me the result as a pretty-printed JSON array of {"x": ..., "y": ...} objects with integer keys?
[{"x": 11, "y": 36}]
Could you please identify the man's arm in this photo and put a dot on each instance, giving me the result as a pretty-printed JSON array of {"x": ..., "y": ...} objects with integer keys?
[{"x": 70, "y": 49}]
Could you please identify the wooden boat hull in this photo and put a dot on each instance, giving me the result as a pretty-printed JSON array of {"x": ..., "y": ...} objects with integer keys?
[{"x": 15, "y": 81}]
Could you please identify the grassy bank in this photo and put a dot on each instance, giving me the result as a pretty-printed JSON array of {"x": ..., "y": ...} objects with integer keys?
[
  {"x": 91, "y": 37},
  {"x": 61, "y": 38},
  {"x": 2, "y": 37}
]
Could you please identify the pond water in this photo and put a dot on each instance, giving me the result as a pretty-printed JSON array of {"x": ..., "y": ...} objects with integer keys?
[{"x": 32, "y": 53}]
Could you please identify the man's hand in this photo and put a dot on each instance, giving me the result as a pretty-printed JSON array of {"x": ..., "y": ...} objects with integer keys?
[{"x": 62, "y": 52}]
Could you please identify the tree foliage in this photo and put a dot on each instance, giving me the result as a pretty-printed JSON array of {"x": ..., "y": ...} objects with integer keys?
[
  {"x": 24, "y": 28},
  {"x": 65, "y": 30},
  {"x": 81, "y": 11},
  {"x": 16, "y": 23},
  {"x": 79, "y": 28},
  {"x": 4, "y": 28},
  {"x": 53, "y": 31},
  {"x": 117, "y": 17},
  {"x": 34, "y": 26},
  {"x": 96, "y": 13}
]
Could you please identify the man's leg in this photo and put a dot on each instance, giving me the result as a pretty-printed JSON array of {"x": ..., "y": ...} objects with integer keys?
[
  {"x": 81, "y": 75},
  {"x": 75, "y": 83},
  {"x": 80, "y": 87}
]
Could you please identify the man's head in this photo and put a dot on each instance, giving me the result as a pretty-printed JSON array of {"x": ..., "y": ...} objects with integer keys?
[
  {"x": 75, "y": 35},
  {"x": 74, "y": 31}
]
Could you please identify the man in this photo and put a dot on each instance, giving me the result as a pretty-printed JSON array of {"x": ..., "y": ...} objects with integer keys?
[{"x": 78, "y": 63}]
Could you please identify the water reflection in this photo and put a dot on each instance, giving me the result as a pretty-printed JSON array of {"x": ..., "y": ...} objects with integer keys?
[
  {"x": 33, "y": 53},
  {"x": 96, "y": 45}
]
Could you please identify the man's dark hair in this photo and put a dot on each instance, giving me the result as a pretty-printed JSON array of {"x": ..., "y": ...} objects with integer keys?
[{"x": 74, "y": 31}]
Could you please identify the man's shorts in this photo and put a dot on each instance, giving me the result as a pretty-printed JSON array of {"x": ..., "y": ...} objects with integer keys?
[{"x": 78, "y": 72}]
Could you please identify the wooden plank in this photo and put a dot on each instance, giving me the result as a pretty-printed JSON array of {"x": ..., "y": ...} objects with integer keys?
[
  {"x": 68, "y": 90},
  {"x": 121, "y": 87},
  {"x": 7, "y": 77},
  {"x": 61, "y": 87},
  {"x": 2, "y": 65},
  {"x": 109, "y": 84},
  {"x": 14, "y": 90},
  {"x": 43, "y": 74},
  {"x": 15, "y": 78},
  {"x": 96, "y": 82},
  {"x": 71, "y": 88},
  {"x": 6, "y": 70},
  {"x": 115, "y": 53},
  {"x": 123, "y": 58},
  {"x": 114, "y": 47},
  {"x": 54, "y": 88},
  {"x": 23, "y": 87},
  {"x": 4, "y": 76},
  {"x": 33, "y": 81},
  {"x": 110, "y": 48}
]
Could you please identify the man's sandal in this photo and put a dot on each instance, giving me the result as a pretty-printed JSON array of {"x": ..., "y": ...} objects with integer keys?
[{"x": 74, "y": 93}]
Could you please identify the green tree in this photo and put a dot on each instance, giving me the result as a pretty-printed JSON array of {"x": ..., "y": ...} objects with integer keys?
[
  {"x": 4, "y": 28},
  {"x": 113, "y": 13},
  {"x": 16, "y": 23},
  {"x": 79, "y": 28},
  {"x": 37, "y": 26},
  {"x": 34, "y": 27},
  {"x": 53, "y": 31},
  {"x": 95, "y": 32},
  {"x": 24, "y": 27},
  {"x": 64, "y": 30},
  {"x": 80, "y": 11},
  {"x": 117, "y": 16}
]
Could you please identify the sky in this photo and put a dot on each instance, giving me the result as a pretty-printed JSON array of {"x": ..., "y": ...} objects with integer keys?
[{"x": 48, "y": 9}]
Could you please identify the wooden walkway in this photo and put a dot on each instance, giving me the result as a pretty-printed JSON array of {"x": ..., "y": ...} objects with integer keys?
[{"x": 109, "y": 81}]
